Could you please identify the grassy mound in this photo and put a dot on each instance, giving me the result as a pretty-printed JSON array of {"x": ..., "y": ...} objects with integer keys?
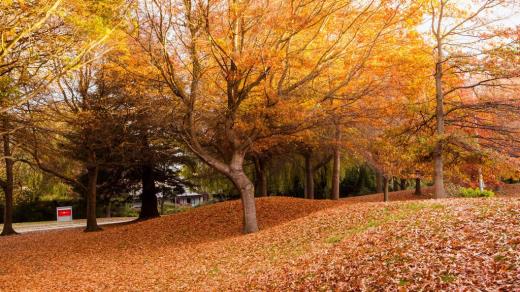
[{"x": 302, "y": 245}]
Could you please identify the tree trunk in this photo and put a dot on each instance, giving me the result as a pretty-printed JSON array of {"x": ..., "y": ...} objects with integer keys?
[
  {"x": 8, "y": 184},
  {"x": 261, "y": 176},
  {"x": 481, "y": 184},
  {"x": 418, "y": 190},
  {"x": 439, "y": 112},
  {"x": 337, "y": 164},
  {"x": 92, "y": 225},
  {"x": 149, "y": 205},
  {"x": 385, "y": 188},
  {"x": 162, "y": 205},
  {"x": 403, "y": 184},
  {"x": 247, "y": 193},
  {"x": 309, "y": 177},
  {"x": 379, "y": 181},
  {"x": 439, "y": 175}
]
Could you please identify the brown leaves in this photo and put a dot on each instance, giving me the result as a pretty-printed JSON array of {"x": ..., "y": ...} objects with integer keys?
[{"x": 302, "y": 245}]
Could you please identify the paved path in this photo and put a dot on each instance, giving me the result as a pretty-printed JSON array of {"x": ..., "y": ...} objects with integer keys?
[{"x": 53, "y": 225}]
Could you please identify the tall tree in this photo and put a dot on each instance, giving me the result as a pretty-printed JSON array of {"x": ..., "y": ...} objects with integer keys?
[
  {"x": 40, "y": 41},
  {"x": 230, "y": 64},
  {"x": 465, "y": 36}
]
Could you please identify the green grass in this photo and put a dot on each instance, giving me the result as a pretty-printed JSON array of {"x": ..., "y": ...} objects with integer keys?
[
  {"x": 448, "y": 278},
  {"x": 334, "y": 239}
]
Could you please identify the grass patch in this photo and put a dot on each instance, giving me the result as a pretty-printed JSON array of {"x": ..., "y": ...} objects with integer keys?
[
  {"x": 403, "y": 282},
  {"x": 334, "y": 239},
  {"x": 448, "y": 278},
  {"x": 499, "y": 258},
  {"x": 214, "y": 271}
]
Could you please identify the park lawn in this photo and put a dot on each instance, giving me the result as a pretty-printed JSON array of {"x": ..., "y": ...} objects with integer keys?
[{"x": 350, "y": 244}]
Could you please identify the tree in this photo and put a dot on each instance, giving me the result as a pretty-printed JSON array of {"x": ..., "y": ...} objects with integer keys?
[
  {"x": 7, "y": 184},
  {"x": 230, "y": 64},
  {"x": 40, "y": 41},
  {"x": 86, "y": 125},
  {"x": 464, "y": 37}
]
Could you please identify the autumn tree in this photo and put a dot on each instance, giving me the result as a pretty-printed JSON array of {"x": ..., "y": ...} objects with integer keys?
[
  {"x": 84, "y": 120},
  {"x": 230, "y": 64},
  {"x": 471, "y": 51},
  {"x": 40, "y": 41}
]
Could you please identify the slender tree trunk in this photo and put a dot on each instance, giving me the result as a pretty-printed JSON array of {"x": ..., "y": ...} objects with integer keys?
[
  {"x": 379, "y": 181},
  {"x": 385, "y": 188},
  {"x": 309, "y": 177},
  {"x": 439, "y": 112},
  {"x": 481, "y": 184},
  {"x": 337, "y": 164},
  {"x": 149, "y": 205},
  {"x": 418, "y": 190},
  {"x": 261, "y": 176},
  {"x": 92, "y": 225},
  {"x": 247, "y": 192},
  {"x": 403, "y": 184},
  {"x": 8, "y": 183}
]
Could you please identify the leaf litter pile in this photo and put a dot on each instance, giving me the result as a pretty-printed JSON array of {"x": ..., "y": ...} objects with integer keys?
[{"x": 303, "y": 245}]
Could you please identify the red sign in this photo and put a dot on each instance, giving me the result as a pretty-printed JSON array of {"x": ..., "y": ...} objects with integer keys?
[{"x": 66, "y": 212}]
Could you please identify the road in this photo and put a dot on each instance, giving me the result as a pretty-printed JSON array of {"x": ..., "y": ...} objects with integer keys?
[{"x": 53, "y": 225}]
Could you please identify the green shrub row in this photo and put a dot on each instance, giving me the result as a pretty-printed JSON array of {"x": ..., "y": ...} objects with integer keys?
[{"x": 474, "y": 193}]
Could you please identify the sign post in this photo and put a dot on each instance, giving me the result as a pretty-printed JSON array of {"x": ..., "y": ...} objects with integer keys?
[{"x": 64, "y": 214}]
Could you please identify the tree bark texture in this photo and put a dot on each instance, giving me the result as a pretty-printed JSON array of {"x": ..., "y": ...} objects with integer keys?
[
  {"x": 8, "y": 184},
  {"x": 149, "y": 204},
  {"x": 337, "y": 164},
  {"x": 439, "y": 113},
  {"x": 385, "y": 188},
  {"x": 92, "y": 172},
  {"x": 379, "y": 181},
  {"x": 309, "y": 177},
  {"x": 418, "y": 190},
  {"x": 247, "y": 192}
]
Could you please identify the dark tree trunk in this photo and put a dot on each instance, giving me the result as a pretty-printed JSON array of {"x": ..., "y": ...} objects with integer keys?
[
  {"x": 418, "y": 190},
  {"x": 8, "y": 184},
  {"x": 403, "y": 184},
  {"x": 309, "y": 177},
  {"x": 385, "y": 188},
  {"x": 337, "y": 164},
  {"x": 379, "y": 181},
  {"x": 247, "y": 192},
  {"x": 261, "y": 176},
  {"x": 92, "y": 225},
  {"x": 149, "y": 206}
]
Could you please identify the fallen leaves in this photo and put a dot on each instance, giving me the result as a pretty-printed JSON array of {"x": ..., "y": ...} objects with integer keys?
[{"x": 303, "y": 245}]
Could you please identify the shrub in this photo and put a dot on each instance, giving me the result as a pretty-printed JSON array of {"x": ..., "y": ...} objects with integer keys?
[{"x": 474, "y": 193}]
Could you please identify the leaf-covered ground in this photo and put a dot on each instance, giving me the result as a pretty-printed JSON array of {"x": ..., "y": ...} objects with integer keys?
[{"x": 303, "y": 245}]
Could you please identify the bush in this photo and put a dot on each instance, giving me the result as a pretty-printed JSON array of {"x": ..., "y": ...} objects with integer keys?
[
  {"x": 34, "y": 211},
  {"x": 126, "y": 210},
  {"x": 474, "y": 193}
]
